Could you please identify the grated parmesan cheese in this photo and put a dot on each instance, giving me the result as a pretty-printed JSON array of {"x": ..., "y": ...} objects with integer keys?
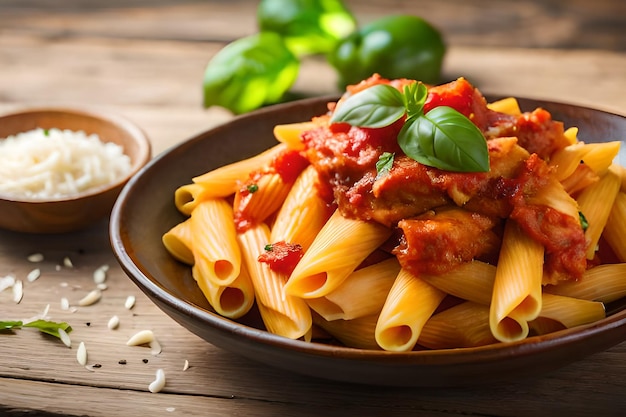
[{"x": 55, "y": 163}]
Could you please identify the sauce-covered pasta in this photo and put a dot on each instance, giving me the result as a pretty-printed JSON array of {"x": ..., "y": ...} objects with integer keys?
[{"x": 340, "y": 227}]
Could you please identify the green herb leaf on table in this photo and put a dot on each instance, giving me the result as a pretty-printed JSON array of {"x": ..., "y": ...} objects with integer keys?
[
  {"x": 44, "y": 326},
  {"x": 10, "y": 324},
  {"x": 442, "y": 138},
  {"x": 49, "y": 327}
]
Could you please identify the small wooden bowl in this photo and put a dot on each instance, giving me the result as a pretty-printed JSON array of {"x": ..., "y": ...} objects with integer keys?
[{"x": 67, "y": 214}]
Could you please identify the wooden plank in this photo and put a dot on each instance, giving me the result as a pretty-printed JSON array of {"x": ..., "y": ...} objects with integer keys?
[{"x": 525, "y": 23}]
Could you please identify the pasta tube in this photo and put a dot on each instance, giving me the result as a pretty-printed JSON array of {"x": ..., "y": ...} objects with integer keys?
[
  {"x": 187, "y": 197},
  {"x": 178, "y": 242},
  {"x": 363, "y": 293},
  {"x": 463, "y": 325},
  {"x": 337, "y": 250},
  {"x": 595, "y": 203},
  {"x": 290, "y": 133},
  {"x": 233, "y": 300},
  {"x": 215, "y": 249},
  {"x": 516, "y": 297},
  {"x": 471, "y": 281},
  {"x": 255, "y": 203},
  {"x": 508, "y": 105},
  {"x": 570, "y": 312},
  {"x": 225, "y": 180},
  {"x": 303, "y": 213},
  {"x": 357, "y": 333},
  {"x": 615, "y": 231},
  {"x": 410, "y": 303},
  {"x": 282, "y": 313},
  {"x": 603, "y": 283},
  {"x": 597, "y": 156}
]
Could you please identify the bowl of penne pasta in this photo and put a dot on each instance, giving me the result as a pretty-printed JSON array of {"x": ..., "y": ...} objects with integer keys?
[{"x": 326, "y": 246}]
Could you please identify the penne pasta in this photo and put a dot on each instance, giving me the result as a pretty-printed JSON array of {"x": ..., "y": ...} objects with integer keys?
[
  {"x": 571, "y": 134},
  {"x": 363, "y": 293},
  {"x": 187, "y": 197},
  {"x": 233, "y": 300},
  {"x": 410, "y": 303},
  {"x": 622, "y": 174},
  {"x": 463, "y": 325},
  {"x": 215, "y": 249},
  {"x": 303, "y": 213},
  {"x": 282, "y": 313},
  {"x": 471, "y": 281},
  {"x": 178, "y": 242},
  {"x": 358, "y": 333},
  {"x": 518, "y": 249},
  {"x": 516, "y": 297},
  {"x": 615, "y": 230},
  {"x": 337, "y": 250},
  {"x": 597, "y": 156},
  {"x": 570, "y": 312},
  {"x": 580, "y": 179},
  {"x": 254, "y": 203},
  {"x": 226, "y": 179},
  {"x": 508, "y": 105},
  {"x": 290, "y": 134},
  {"x": 600, "y": 156},
  {"x": 595, "y": 203},
  {"x": 604, "y": 283}
]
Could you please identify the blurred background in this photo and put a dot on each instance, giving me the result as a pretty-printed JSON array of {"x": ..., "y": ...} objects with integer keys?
[
  {"x": 146, "y": 58},
  {"x": 523, "y": 23}
]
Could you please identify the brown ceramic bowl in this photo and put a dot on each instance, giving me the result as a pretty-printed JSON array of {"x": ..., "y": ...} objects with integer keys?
[
  {"x": 145, "y": 210},
  {"x": 78, "y": 211}
]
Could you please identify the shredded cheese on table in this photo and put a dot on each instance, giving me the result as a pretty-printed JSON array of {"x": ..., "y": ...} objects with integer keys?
[{"x": 55, "y": 163}]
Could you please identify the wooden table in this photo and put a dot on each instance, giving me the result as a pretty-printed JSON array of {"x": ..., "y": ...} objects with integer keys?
[{"x": 144, "y": 60}]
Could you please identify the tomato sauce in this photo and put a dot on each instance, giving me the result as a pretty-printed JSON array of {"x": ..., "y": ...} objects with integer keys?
[{"x": 410, "y": 197}]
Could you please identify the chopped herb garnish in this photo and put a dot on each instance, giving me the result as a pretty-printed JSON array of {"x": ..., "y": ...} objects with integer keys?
[
  {"x": 252, "y": 188},
  {"x": 46, "y": 132},
  {"x": 442, "y": 138},
  {"x": 583, "y": 221},
  {"x": 384, "y": 164},
  {"x": 268, "y": 247}
]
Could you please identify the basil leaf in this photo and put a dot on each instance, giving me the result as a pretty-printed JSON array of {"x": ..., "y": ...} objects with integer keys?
[
  {"x": 250, "y": 72},
  {"x": 11, "y": 324},
  {"x": 384, "y": 164},
  {"x": 445, "y": 139},
  {"x": 375, "y": 107},
  {"x": 49, "y": 327},
  {"x": 415, "y": 95}
]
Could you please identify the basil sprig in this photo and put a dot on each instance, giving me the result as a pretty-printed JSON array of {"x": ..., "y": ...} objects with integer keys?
[
  {"x": 442, "y": 138},
  {"x": 44, "y": 326}
]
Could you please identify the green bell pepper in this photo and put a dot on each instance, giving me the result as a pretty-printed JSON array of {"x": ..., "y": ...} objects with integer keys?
[
  {"x": 397, "y": 46},
  {"x": 306, "y": 26},
  {"x": 249, "y": 73}
]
